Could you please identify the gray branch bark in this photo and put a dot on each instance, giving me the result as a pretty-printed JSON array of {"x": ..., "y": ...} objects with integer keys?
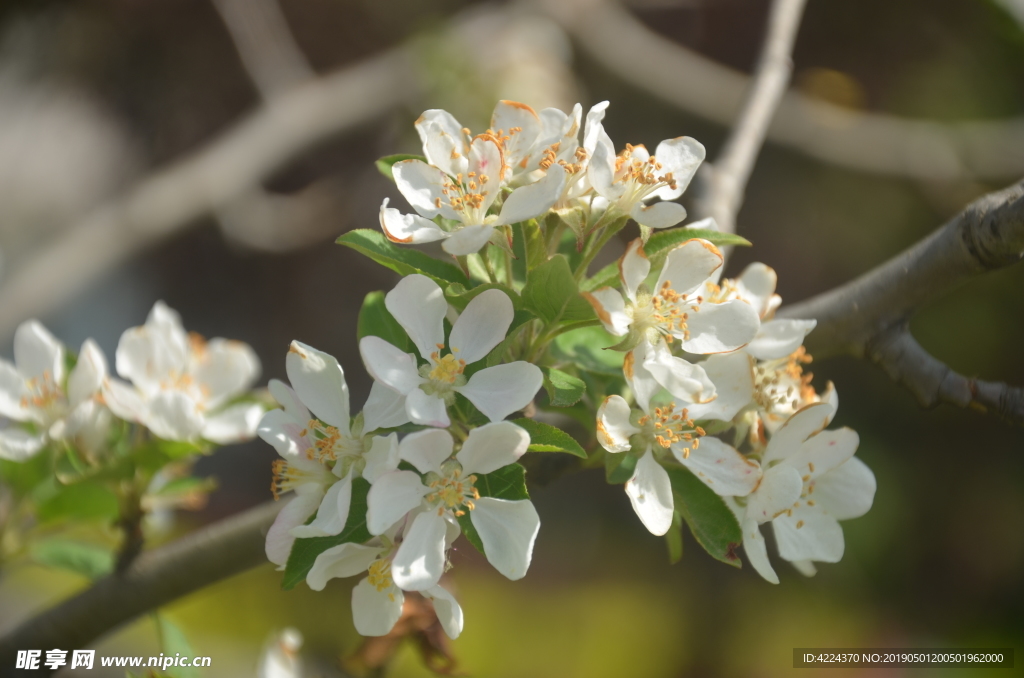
[
  {"x": 725, "y": 182},
  {"x": 155, "y": 578},
  {"x": 868, "y": 142},
  {"x": 868, "y": 316}
]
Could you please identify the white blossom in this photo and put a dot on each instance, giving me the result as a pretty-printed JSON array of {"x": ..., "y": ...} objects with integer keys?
[
  {"x": 419, "y": 306},
  {"x": 181, "y": 385}
]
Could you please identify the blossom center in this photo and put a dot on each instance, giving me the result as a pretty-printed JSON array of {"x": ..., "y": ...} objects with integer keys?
[
  {"x": 443, "y": 375},
  {"x": 781, "y": 385},
  {"x": 641, "y": 177},
  {"x": 330, "y": 443},
  {"x": 466, "y": 194},
  {"x": 665, "y": 312},
  {"x": 666, "y": 426},
  {"x": 379, "y": 574},
  {"x": 451, "y": 490},
  {"x": 44, "y": 395},
  {"x": 287, "y": 477}
]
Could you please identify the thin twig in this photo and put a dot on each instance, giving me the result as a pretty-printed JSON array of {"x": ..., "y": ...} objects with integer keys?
[
  {"x": 155, "y": 578},
  {"x": 265, "y": 45},
  {"x": 869, "y": 142},
  {"x": 725, "y": 182},
  {"x": 867, "y": 317}
]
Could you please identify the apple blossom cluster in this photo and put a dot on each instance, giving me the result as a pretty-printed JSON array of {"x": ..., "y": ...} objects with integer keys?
[
  {"x": 178, "y": 386},
  {"x": 693, "y": 394}
]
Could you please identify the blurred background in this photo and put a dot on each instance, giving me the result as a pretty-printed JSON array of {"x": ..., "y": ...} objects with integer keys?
[{"x": 98, "y": 98}]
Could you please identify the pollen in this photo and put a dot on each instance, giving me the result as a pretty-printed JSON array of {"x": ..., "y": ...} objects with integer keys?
[
  {"x": 379, "y": 575},
  {"x": 668, "y": 426},
  {"x": 446, "y": 369},
  {"x": 453, "y": 492}
]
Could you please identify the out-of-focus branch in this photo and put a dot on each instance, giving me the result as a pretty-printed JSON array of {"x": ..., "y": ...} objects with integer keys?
[
  {"x": 868, "y": 316},
  {"x": 724, "y": 183},
  {"x": 265, "y": 45},
  {"x": 207, "y": 179},
  {"x": 879, "y": 143},
  {"x": 932, "y": 382},
  {"x": 155, "y": 578}
]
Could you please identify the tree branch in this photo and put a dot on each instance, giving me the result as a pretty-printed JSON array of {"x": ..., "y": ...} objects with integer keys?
[
  {"x": 155, "y": 578},
  {"x": 868, "y": 316},
  {"x": 204, "y": 181},
  {"x": 869, "y": 142},
  {"x": 724, "y": 183}
]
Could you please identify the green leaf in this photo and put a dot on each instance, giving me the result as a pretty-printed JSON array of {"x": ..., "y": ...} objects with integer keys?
[
  {"x": 173, "y": 641},
  {"x": 402, "y": 260},
  {"x": 712, "y": 523},
  {"x": 585, "y": 348},
  {"x": 674, "y": 539},
  {"x": 508, "y": 482},
  {"x": 676, "y": 236},
  {"x": 376, "y": 321},
  {"x": 459, "y": 297},
  {"x": 85, "y": 501},
  {"x": 88, "y": 560},
  {"x": 619, "y": 467},
  {"x": 500, "y": 353},
  {"x": 22, "y": 477},
  {"x": 545, "y": 438},
  {"x": 181, "y": 487},
  {"x": 536, "y": 248},
  {"x": 551, "y": 293},
  {"x": 563, "y": 388},
  {"x": 385, "y": 164},
  {"x": 305, "y": 551}
]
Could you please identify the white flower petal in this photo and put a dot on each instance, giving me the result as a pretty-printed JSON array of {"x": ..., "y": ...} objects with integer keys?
[
  {"x": 389, "y": 365},
  {"x": 468, "y": 239},
  {"x": 382, "y": 457},
  {"x": 508, "y": 530},
  {"x": 233, "y": 424},
  {"x": 332, "y": 514},
  {"x": 320, "y": 382},
  {"x": 390, "y": 498},
  {"x": 123, "y": 400},
  {"x": 172, "y": 415},
  {"x": 778, "y": 490},
  {"x": 86, "y": 379},
  {"x": 733, "y": 377},
  {"x": 533, "y": 200},
  {"x": 512, "y": 115},
  {"x": 37, "y": 352},
  {"x": 295, "y": 513},
  {"x": 492, "y": 446},
  {"x": 613, "y": 425},
  {"x": 845, "y": 492},
  {"x": 19, "y": 445},
  {"x": 343, "y": 560},
  {"x": 601, "y": 169},
  {"x": 824, "y": 451},
  {"x": 644, "y": 385},
  {"x": 418, "y": 304},
  {"x": 757, "y": 551},
  {"x": 223, "y": 368},
  {"x": 503, "y": 389},
  {"x": 756, "y": 285},
  {"x": 408, "y": 229},
  {"x": 426, "y": 450},
  {"x": 610, "y": 309},
  {"x": 444, "y": 150},
  {"x": 419, "y": 562},
  {"x": 482, "y": 326},
  {"x": 650, "y": 492},
  {"x": 156, "y": 351},
  {"x": 289, "y": 401},
  {"x": 786, "y": 441},
  {"x": 426, "y": 409},
  {"x": 384, "y": 408},
  {"x": 808, "y": 533},
  {"x": 447, "y": 609},
  {"x": 443, "y": 120},
  {"x": 718, "y": 328},
  {"x": 680, "y": 156},
  {"x": 485, "y": 159},
  {"x": 721, "y": 467},
  {"x": 283, "y": 433},
  {"x": 682, "y": 379},
  {"x": 12, "y": 389},
  {"x": 593, "y": 127},
  {"x": 689, "y": 265},
  {"x": 633, "y": 268},
  {"x": 805, "y": 567},
  {"x": 422, "y": 185},
  {"x": 374, "y": 612},
  {"x": 779, "y": 338},
  {"x": 658, "y": 215}
]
